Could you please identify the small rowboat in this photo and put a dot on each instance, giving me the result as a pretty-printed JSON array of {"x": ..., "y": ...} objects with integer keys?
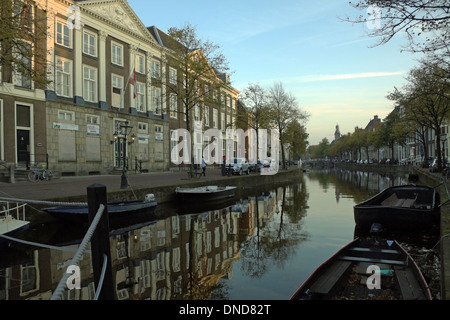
[
  {"x": 399, "y": 207},
  {"x": 205, "y": 194},
  {"x": 366, "y": 269}
]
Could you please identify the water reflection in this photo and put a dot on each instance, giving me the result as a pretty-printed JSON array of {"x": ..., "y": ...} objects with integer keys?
[
  {"x": 260, "y": 247},
  {"x": 175, "y": 257}
]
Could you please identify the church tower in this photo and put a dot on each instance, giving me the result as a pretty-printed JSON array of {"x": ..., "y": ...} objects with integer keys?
[{"x": 337, "y": 133}]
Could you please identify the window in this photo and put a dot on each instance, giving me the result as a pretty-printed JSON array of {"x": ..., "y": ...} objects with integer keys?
[
  {"x": 156, "y": 100},
  {"x": 140, "y": 97},
  {"x": 89, "y": 84},
  {"x": 22, "y": 74},
  {"x": 222, "y": 121},
  {"x": 63, "y": 34},
  {"x": 91, "y": 119},
  {"x": 63, "y": 77},
  {"x": 196, "y": 113},
  {"x": 66, "y": 115},
  {"x": 206, "y": 115},
  {"x": 172, "y": 76},
  {"x": 155, "y": 69},
  {"x": 90, "y": 43},
  {"x": 23, "y": 14},
  {"x": 173, "y": 105},
  {"x": 215, "y": 118},
  {"x": 117, "y": 87},
  {"x": 116, "y": 54},
  {"x": 140, "y": 63}
]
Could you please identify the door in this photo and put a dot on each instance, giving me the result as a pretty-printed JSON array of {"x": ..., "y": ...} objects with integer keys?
[{"x": 23, "y": 145}]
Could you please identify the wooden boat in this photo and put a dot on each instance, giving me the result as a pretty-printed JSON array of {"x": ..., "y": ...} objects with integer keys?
[
  {"x": 205, "y": 193},
  {"x": 404, "y": 206},
  {"x": 366, "y": 269},
  {"x": 115, "y": 209},
  {"x": 12, "y": 224}
]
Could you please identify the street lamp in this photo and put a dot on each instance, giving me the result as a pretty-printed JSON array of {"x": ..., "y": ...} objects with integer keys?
[{"x": 121, "y": 136}]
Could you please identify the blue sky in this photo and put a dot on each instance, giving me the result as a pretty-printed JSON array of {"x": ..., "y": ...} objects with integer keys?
[{"x": 327, "y": 64}]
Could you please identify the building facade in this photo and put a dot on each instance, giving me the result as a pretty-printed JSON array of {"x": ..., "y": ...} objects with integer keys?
[{"x": 106, "y": 105}]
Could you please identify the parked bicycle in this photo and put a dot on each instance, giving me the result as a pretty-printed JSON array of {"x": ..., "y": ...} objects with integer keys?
[{"x": 36, "y": 174}]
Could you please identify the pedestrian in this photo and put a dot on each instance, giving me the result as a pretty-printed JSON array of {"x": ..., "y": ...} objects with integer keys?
[{"x": 204, "y": 166}]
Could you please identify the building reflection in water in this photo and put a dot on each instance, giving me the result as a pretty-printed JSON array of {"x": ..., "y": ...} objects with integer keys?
[{"x": 174, "y": 258}]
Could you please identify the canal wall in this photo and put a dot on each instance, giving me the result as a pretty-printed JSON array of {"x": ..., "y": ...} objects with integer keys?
[
  {"x": 435, "y": 180},
  {"x": 375, "y": 167}
]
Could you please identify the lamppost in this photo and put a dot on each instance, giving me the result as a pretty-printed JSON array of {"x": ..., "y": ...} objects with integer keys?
[{"x": 121, "y": 136}]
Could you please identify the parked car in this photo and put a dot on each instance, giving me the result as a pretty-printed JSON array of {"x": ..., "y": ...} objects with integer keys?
[
  {"x": 239, "y": 166},
  {"x": 255, "y": 167},
  {"x": 434, "y": 165}
]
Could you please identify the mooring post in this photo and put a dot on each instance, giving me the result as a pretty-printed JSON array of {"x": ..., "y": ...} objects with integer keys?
[{"x": 100, "y": 245}]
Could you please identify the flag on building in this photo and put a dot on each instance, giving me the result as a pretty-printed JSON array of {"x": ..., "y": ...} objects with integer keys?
[{"x": 132, "y": 81}]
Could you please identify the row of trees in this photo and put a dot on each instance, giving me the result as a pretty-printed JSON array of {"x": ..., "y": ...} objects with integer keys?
[
  {"x": 275, "y": 108},
  {"x": 426, "y": 106},
  {"x": 425, "y": 98}
]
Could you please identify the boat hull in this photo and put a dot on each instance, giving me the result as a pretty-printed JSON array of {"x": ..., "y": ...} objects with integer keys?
[
  {"x": 203, "y": 194},
  {"x": 115, "y": 210},
  {"x": 400, "y": 207},
  {"x": 346, "y": 275}
]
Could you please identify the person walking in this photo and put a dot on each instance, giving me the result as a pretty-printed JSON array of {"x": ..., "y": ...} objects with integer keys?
[{"x": 203, "y": 166}]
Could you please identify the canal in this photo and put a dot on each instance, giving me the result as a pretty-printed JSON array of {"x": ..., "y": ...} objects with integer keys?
[{"x": 258, "y": 248}]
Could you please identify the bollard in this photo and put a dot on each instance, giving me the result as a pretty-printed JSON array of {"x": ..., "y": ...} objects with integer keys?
[
  {"x": 100, "y": 245},
  {"x": 229, "y": 170}
]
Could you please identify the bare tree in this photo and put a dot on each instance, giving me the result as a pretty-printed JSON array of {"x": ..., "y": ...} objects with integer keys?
[
  {"x": 425, "y": 23},
  {"x": 200, "y": 62},
  {"x": 283, "y": 110},
  {"x": 23, "y": 32},
  {"x": 426, "y": 99}
]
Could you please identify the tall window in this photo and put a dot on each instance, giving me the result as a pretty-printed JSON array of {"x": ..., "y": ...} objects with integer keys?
[
  {"x": 140, "y": 63},
  {"x": 90, "y": 43},
  {"x": 172, "y": 76},
  {"x": 155, "y": 69},
  {"x": 22, "y": 74},
  {"x": 140, "y": 97},
  {"x": 173, "y": 105},
  {"x": 206, "y": 115},
  {"x": 63, "y": 77},
  {"x": 117, "y": 54},
  {"x": 23, "y": 14},
  {"x": 89, "y": 84},
  {"x": 63, "y": 34},
  {"x": 117, "y": 87},
  {"x": 156, "y": 100}
]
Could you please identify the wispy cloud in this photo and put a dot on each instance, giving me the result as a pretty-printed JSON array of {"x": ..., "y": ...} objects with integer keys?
[{"x": 345, "y": 76}]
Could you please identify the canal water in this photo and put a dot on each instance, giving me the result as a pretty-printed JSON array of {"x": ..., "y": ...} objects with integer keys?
[{"x": 258, "y": 248}]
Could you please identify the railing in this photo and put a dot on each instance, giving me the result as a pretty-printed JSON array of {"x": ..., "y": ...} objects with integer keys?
[
  {"x": 6, "y": 211},
  {"x": 97, "y": 235}
]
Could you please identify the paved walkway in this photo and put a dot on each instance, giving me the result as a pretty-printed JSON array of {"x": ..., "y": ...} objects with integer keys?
[{"x": 76, "y": 186}]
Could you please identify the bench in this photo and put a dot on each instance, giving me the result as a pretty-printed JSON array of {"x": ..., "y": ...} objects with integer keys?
[
  {"x": 328, "y": 280},
  {"x": 409, "y": 286},
  {"x": 192, "y": 174}
]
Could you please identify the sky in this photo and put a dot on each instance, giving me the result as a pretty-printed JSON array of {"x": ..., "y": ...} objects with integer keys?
[{"x": 329, "y": 65}]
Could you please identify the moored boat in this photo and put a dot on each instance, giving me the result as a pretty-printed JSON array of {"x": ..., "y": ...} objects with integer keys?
[
  {"x": 403, "y": 206},
  {"x": 205, "y": 193},
  {"x": 115, "y": 209},
  {"x": 366, "y": 269},
  {"x": 12, "y": 221}
]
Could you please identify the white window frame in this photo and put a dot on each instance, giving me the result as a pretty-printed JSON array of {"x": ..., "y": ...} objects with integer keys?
[
  {"x": 117, "y": 83},
  {"x": 90, "y": 95},
  {"x": 173, "y": 106},
  {"x": 66, "y": 116},
  {"x": 18, "y": 78},
  {"x": 206, "y": 115},
  {"x": 156, "y": 100},
  {"x": 172, "y": 75},
  {"x": 59, "y": 87},
  {"x": 140, "y": 97},
  {"x": 89, "y": 49},
  {"x": 65, "y": 33},
  {"x": 116, "y": 53},
  {"x": 156, "y": 72},
  {"x": 140, "y": 63}
]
